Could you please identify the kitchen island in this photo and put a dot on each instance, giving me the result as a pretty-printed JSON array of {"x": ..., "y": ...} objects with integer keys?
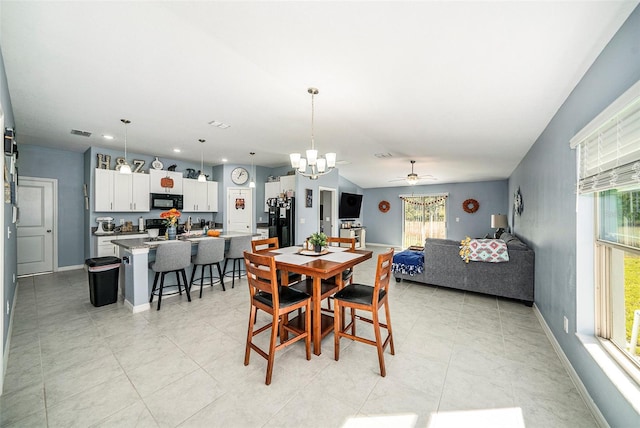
[{"x": 136, "y": 279}]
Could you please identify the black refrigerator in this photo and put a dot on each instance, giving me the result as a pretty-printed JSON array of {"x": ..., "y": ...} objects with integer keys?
[{"x": 282, "y": 221}]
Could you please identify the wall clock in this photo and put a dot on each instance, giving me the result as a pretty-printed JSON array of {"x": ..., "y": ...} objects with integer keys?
[{"x": 239, "y": 175}]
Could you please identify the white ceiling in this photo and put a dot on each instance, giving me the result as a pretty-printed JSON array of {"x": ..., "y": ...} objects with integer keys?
[{"x": 464, "y": 88}]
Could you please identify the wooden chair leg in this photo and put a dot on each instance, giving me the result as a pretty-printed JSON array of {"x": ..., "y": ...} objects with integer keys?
[
  {"x": 252, "y": 321},
  {"x": 307, "y": 324},
  {"x": 272, "y": 348},
  {"x": 376, "y": 330},
  {"x": 390, "y": 332},
  {"x": 336, "y": 330}
]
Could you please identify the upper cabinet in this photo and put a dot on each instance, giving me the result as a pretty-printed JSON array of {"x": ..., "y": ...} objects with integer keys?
[
  {"x": 166, "y": 182},
  {"x": 274, "y": 188},
  {"x": 120, "y": 192},
  {"x": 200, "y": 196}
]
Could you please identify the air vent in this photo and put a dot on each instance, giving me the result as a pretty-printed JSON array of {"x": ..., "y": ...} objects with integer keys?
[
  {"x": 219, "y": 124},
  {"x": 80, "y": 133},
  {"x": 383, "y": 155}
]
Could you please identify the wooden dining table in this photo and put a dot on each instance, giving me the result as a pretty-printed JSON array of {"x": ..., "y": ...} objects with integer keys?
[{"x": 318, "y": 267}]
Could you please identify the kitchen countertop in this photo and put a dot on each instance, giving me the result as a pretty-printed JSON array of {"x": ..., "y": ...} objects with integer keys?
[{"x": 136, "y": 243}]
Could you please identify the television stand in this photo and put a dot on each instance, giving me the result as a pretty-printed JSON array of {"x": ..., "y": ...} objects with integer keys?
[{"x": 354, "y": 232}]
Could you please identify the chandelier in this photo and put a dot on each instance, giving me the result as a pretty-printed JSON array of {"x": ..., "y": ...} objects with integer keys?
[{"x": 317, "y": 165}]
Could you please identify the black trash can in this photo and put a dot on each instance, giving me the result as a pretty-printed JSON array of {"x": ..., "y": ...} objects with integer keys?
[{"x": 103, "y": 280}]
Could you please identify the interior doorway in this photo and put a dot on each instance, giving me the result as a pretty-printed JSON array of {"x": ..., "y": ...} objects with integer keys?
[
  {"x": 239, "y": 209},
  {"x": 35, "y": 229},
  {"x": 328, "y": 211}
]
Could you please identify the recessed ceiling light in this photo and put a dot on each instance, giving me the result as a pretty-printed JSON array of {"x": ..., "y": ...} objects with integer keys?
[
  {"x": 108, "y": 137},
  {"x": 177, "y": 150},
  {"x": 224, "y": 160}
]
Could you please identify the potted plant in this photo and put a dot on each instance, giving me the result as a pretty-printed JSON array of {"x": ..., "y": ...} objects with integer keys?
[{"x": 318, "y": 240}]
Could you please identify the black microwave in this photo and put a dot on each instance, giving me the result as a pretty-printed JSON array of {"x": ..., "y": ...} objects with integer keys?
[{"x": 165, "y": 201}]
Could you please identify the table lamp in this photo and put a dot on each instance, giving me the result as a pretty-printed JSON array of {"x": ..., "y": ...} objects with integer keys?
[{"x": 500, "y": 223}]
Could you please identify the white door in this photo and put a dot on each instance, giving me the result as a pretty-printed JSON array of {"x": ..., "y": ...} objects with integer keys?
[
  {"x": 36, "y": 226},
  {"x": 239, "y": 209}
]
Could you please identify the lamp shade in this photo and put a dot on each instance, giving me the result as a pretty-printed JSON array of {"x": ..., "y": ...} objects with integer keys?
[{"x": 499, "y": 221}]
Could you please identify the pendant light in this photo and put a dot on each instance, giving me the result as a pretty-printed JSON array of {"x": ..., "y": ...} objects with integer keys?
[
  {"x": 318, "y": 165},
  {"x": 252, "y": 183},
  {"x": 202, "y": 178},
  {"x": 125, "y": 168}
]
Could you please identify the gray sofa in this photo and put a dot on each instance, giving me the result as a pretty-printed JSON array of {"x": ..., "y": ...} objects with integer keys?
[{"x": 443, "y": 266}]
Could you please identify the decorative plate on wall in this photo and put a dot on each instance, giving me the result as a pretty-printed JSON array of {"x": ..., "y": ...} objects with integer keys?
[{"x": 517, "y": 202}]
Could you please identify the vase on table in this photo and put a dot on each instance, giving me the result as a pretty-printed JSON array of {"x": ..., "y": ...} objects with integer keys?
[{"x": 171, "y": 233}]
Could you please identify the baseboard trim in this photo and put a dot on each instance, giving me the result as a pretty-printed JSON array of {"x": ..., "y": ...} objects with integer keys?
[
  {"x": 73, "y": 267},
  {"x": 139, "y": 308},
  {"x": 582, "y": 390},
  {"x": 7, "y": 348}
]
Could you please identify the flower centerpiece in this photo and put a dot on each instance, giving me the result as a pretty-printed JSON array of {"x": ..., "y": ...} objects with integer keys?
[
  {"x": 318, "y": 240},
  {"x": 171, "y": 221}
]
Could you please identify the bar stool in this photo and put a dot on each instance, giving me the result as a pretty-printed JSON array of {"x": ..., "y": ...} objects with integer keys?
[
  {"x": 171, "y": 257},
  {"x": 210, "y": 252},
  {"x": 237, "y": 246}
]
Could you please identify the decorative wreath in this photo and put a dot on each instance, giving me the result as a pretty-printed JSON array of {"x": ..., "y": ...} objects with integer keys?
[
  {"x": 470, "y": 206},
  {"x": 384, "y": 206}
]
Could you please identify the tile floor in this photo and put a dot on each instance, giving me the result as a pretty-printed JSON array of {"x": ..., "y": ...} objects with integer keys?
[{"x": 461, "y": 360}]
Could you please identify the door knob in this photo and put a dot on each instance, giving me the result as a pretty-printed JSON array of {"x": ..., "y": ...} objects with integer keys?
[{"x": 48, "y": 230}]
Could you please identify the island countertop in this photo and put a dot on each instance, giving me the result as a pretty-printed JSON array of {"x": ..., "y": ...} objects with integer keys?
[{"x": 136, "y": 243}]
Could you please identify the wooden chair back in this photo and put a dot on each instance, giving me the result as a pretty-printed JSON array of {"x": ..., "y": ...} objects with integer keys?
[
  {"x": 383, "y": 272},
  {"x": 339, "y": 240},
  {"x": 263, "y": 244},
  {"x": 262, "y": 275}
]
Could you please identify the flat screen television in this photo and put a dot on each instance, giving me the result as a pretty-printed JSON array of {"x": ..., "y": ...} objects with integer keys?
[{"x": 350, "y": 204}]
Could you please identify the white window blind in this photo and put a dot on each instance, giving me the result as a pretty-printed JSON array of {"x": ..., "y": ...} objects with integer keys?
[{"x": 609, "y": 146}]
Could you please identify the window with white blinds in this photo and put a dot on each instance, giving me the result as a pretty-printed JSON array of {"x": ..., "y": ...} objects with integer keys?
[{"x": 609, "y": 146}]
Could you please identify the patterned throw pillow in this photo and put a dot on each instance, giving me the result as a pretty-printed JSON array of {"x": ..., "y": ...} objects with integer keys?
[{"x": 484, "y": 250}]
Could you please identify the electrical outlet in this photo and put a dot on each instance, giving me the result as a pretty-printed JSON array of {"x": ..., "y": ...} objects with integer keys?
[
  {"x": 121, "y": 222},
  {"x": 566, "y": 325},
  {"x": 301, "y": 221},
  {"x": 457, "y": 219},
  {"x": 260, "y": 219}
]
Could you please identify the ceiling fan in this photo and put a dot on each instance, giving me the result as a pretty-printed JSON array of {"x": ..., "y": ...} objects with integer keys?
[{"x": 413, "y": 178}]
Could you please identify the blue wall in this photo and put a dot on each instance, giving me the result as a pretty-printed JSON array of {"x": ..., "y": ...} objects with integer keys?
[
  {"x": 547, "y": 179},
  {"x": 386, "y": 228},
  {"x": 67, "y": 168},
  {"x": 10, "y": 248}
]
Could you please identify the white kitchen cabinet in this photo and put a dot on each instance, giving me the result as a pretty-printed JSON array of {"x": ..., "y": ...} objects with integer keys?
[
  {"x": 140, "y": 192},
  {"x": 263, "y": 232},
  {"x": 104, "y": 246},
  {"x": 199, "y": 196},
  {"x": 156, "y": 176},
  {"x": 103, "y": 190},
  {"x": 121, "y": 192},
  {"x": 356, "y": 232},
  {"x": 212, "y": 196},
  {"x": 274, "y": 188}
]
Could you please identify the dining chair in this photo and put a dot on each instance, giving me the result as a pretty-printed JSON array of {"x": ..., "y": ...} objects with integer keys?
[
  {"x": 237, "y": 246},
  {"x": 171, "y": 257},
  {"x": 347, "y": 274},
  {"x": 278, "y": 301},
  {"x": 273, "y": 244},
  {"x": 366, "y": 298},
  {"x": 210, "y": 252},
  {"x": 264, "y": 244}
]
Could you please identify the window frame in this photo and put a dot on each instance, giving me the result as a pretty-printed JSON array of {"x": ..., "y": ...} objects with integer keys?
[{"x": 603, "y": 316}]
